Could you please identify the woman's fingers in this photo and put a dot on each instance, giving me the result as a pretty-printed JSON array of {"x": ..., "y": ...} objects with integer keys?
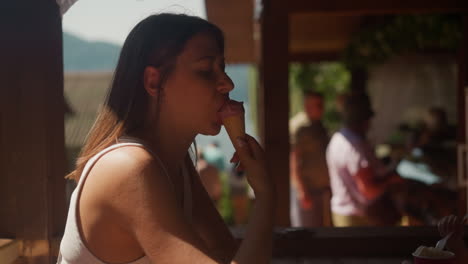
[
  {"x": 255, "y": 147},
  {"x": 247, "y": 148},
  {"x": 440, "y": 226},
  {"x": 240, "y": 168},
  {"x": 243, "y": 150},
  {"x": 447, "y": 225},
  {"x": 451, "y": 224},
  {"x": 235, "y": 158},
  {"x": 444, "y": 225}
]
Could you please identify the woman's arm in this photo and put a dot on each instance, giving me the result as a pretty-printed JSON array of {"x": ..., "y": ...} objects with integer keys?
[
  {"x": 208, "y": 223},
  {"x": 257, "y": 244},
  {"x": 149, "y": 207},
  {"x": 148, "y": 204}
]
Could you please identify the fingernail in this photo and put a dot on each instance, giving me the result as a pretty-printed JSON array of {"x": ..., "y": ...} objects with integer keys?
[{"x": 240, "y": 142}]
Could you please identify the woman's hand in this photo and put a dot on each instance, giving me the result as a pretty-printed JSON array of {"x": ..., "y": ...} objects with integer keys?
[
  {"x": 252, "y": 161},
  {"x": 455, "y": 226},
  {"x": 257, "y": 244}
]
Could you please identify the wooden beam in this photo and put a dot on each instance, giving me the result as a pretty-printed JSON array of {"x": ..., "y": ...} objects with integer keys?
[
  {"x": 237, "y": 25},
  {"x": 462, "y": 82},
  {"x": 32, "y": 154},
  {"x": 318, "y": 34},
  {"x": 350, "y": 242},
  {"x": 372, "y": 7},
  {"x": 462, "y": 107},
  {"x": 274, "y": 101}
]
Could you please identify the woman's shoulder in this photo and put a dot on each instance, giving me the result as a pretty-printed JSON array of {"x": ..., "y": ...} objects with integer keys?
[
  {"x": 123, "y": 170},
  {"x": 127, "y": 160}
]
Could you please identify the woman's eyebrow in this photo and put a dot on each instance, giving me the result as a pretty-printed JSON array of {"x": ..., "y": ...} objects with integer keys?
[{"x": 207, "y": 57}]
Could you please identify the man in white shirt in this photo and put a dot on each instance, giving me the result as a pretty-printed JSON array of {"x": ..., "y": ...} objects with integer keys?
[{"x": 357, "y": 177}]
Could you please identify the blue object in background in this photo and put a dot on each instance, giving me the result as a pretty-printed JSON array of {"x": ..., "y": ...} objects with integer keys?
[
  {"x": 417, "y": 171},
  {"x": 214, "y": 156}
]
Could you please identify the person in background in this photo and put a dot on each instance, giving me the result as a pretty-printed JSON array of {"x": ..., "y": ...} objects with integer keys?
[
  {"x": 313, "y": 111},
  {"x": 357, "y": 177},
  {"x": 310, "y": 186},
  {"x": 210, "y": 178},
  {"x": 455, "y": 227},
  {"x": 434, "y": 144},
  {"x": 434, "y": 131},
  {"x": 214, "y": 156}
]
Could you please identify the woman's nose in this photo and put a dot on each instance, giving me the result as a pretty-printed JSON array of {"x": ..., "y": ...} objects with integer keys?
[{"x": 225, "y": 84}]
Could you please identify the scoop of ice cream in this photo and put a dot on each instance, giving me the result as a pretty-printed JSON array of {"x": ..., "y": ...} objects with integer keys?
[
  {"x": 231, "y": 108},
  {"x": 431, "y": 252}
]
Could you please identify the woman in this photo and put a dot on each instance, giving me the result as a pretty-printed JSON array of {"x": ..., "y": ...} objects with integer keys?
[{"x": 138, "y": 198}]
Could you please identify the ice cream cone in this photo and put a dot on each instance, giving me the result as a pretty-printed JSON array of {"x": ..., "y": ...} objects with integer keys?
[
  {"x": 232, "y": 117},
  {"x": 235, "y": 127}
]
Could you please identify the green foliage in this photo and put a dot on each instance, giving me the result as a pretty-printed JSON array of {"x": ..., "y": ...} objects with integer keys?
[
  {"x": 328, "y": 78},
  {"x": 224, "y": 205},
  {"x": 373, "y": 45},
  {"x": 403, "y": 34}
]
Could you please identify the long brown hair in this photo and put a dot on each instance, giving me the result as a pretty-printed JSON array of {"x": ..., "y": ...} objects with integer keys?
[{"x": 155, "y": 41}]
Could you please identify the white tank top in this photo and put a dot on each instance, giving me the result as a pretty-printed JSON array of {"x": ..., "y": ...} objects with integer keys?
[{"x": 72, "y": 248}]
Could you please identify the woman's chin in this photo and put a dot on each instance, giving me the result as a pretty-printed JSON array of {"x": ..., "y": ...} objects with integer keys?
[{"x": 213, "y": 131}]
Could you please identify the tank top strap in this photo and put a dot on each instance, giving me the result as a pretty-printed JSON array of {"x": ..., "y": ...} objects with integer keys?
[
  {"x": 96, "y": 157},
  {"x": 187, "y": 202}
]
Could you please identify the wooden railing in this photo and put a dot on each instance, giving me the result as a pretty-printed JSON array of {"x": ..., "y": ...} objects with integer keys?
[
  {"x": 353, "y": 242},
  {"x": 317, "y": 243},
  {"x": 9, "y": 250}
]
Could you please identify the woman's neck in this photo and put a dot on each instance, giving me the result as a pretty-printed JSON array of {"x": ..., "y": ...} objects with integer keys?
[{"x": 169, "y": 144}]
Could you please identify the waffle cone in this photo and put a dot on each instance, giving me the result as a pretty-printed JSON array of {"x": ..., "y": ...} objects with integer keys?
[{"x": 235, "y": 127}]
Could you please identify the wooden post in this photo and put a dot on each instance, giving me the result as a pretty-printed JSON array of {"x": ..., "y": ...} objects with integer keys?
[
  {"x": 274, "y": 101},
  {"x": 32, "y": 154},
  {"x": 462, "y": 97}
]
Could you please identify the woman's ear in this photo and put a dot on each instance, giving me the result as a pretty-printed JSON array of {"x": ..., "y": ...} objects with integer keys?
[{"x": 151, "y": 78}]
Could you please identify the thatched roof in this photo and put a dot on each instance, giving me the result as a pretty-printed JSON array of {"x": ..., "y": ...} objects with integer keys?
[{"x": 84, "y": 93}]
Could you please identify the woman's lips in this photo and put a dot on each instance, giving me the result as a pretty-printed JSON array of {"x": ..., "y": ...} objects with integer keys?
[
  {"x": 231, "y": 108},
  {"x": 222, "y": 106}
]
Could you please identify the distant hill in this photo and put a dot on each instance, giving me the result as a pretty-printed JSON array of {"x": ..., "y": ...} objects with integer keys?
[
  {"x": 82, "y": 55},
  {"x": 85, "y": 56}
]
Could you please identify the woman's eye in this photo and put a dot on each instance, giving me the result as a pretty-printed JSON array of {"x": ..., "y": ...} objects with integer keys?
[{"x": 207, "y": 74}]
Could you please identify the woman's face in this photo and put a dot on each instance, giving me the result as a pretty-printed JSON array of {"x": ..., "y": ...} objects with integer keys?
[{"x": 198, "y": 87}]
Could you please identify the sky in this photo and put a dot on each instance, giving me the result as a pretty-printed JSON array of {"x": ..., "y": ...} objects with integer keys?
[{"x": 112, "y": 20}]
